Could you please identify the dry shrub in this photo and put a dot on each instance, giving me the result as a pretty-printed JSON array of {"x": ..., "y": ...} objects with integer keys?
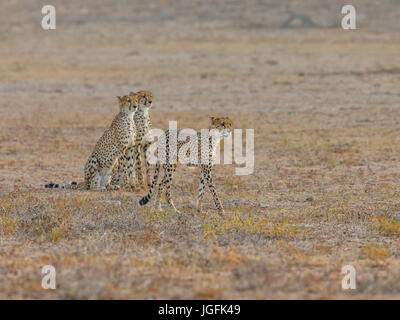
[
  {"x": 375, "y": 253},
  {"x": 387, "y": 226}
]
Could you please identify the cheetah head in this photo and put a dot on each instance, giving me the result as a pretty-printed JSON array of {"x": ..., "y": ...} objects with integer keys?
[
  {"x": 145, "y": 98},
  {"x": 223, "y": 125},
  {"x": 128, "y": 103}
]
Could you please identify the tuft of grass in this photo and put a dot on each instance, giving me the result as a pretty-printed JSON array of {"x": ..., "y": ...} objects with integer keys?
[
  {"x": 152, "y": 215},
  {"x": 235, "y": 184},
  {"x": 55, "y": 234},
  {"x": 260, "y": 223},
  {"x": 284, "y": 229},
  {"x": 386, "y": 226},
  {"x": 375, "y": 253},
  {"x": 8, "y": 224}
]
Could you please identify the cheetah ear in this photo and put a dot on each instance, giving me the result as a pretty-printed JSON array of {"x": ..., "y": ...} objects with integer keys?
[
  {"x": 119, "y": 98},
  {"x": 212, "y": 118},
  {"x": 132, "y": 93}
]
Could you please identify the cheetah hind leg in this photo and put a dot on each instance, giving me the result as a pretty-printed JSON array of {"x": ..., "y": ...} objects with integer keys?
[
  {"x": 105, "y": 178},
  {"x": 113, "y": 187},
  {"x": 214, "y": 193},
  {"x": 201, "y": 192},
  {"x": 161, "y": 185},
  {"x": 92, "y": 176},
  {"x": 95, "y": 181},
  {"x": 157, "y": 202}
]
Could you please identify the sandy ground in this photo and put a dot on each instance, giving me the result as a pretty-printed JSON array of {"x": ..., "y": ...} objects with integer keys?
[{"x": 324, "y": 104}]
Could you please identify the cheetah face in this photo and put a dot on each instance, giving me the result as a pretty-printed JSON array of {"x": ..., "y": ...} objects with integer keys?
[
  {"x": 145, "y": 98},
  {"x": 223, "y": 125},
  {"x": 128, "y": 103}
]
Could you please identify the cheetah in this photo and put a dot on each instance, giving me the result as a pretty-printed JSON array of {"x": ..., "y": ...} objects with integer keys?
[
  {"x": 205, "y": 148},
  {"x": 110, "y": 150},
  {"x": 142, "y": 142},
  {"x": 143, "y": 136},
  {"x": 113, "y": 144}
]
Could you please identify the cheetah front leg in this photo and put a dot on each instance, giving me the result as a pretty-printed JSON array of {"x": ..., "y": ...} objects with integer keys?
[
  {"x": 115, "y": 176},
  {"x": 117, "y": 171},
  {"x": 138, "y": 163},
  {"x": 123, "y": 172},
  {"x": 210, "y": 182},
  {"x": 128, "y": 169}
]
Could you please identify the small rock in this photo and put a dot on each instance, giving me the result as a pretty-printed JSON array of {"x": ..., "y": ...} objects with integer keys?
[{"x": 263, "y": 205}]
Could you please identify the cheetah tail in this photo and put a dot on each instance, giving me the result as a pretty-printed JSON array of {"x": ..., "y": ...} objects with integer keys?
[
  {"x": 147, "y": 197},
  {"x": 72, "y": 185}
]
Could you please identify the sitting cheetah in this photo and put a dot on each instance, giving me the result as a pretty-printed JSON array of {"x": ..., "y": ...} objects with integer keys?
[
  {"x": 142, "y": 142},
  {"x": 113, "y": 144},
  {"x": 206, "y": 151}
]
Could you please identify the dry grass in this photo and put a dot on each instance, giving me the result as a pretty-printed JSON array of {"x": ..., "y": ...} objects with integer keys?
[{"x": 324, "y": 192}]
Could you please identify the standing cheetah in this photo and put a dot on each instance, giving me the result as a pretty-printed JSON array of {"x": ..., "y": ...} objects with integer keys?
[
  {"x": 142, "y": 142},
  {"x": 113, "y": 144},
  {"x": 206, "y": 147}
]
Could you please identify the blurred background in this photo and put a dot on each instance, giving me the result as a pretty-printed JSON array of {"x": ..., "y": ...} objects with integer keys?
[{"x": 244, "y": 56}]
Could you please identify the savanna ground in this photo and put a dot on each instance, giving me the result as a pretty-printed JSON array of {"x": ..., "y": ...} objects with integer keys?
[{"x": 324, "y": 104}]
